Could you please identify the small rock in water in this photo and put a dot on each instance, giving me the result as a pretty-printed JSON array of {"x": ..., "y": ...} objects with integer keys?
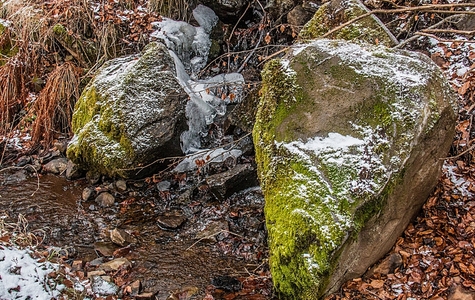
[
  {"x": 239, "y": 178},
  {"x": 116, "y": 264},
  {"x": 103, "y": 287},
  {"x": 87, "y": 193},
  {"x": 227, "y": 283},
  {"x": 56, "y": 166},
  {"x": 121, "y": 237},
  {"x": 105, "y": 248},
  {"x": 121, "y": 185},
  {"x": 171, "y": 220},
  {"x": 210, "y": 232},
  {"x": 105, "y": 199}
]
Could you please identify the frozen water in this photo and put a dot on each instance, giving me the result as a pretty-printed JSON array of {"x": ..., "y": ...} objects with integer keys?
[
  {"x": 206, "y": 17},
  {"x": 207, "y": 156}
]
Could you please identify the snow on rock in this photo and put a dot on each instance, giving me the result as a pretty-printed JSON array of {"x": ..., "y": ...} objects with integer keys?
[
  {"x": 22, "y": 277},
  {"x": 348, "y": 140}
]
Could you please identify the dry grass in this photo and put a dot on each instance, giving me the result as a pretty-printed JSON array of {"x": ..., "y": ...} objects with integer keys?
[
  {"x": 175, "y": 9},
  {"x": 13, "y": 80},
  {"x": 18, "y": 233},
  {"x": 55, "y": 104}
]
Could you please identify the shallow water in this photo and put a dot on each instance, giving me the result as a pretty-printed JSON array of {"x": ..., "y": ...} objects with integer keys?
[{"x": 165, "y": 261}]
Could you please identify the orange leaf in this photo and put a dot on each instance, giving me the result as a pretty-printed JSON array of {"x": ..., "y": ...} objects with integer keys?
[
  {"x": 267, "y": 39},
  {"x": 282, "y": 28},
  {"x": 463, "y": 89},
  {"x": 377, "y": 283}
]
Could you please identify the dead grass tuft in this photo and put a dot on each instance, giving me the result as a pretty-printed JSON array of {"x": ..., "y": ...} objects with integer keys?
[
  {"x": 13, "y": 80},
  {"x": 55, "y": 104}
]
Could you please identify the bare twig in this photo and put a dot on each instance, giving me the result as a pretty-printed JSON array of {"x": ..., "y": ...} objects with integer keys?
[
  {"x": 453, "y": 18},
  {"x": 460, "y": 154},
  {"x": 443, "y": 40},
  {"x": 425, "y": 8},
  {"x": 463, "y": 32}
]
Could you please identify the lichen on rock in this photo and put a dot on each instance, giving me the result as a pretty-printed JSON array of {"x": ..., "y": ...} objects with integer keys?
[
  {"x": 336, "y": 12},
  {"x": 129, "y": 115},
  {"x": 348, "y": 140}
]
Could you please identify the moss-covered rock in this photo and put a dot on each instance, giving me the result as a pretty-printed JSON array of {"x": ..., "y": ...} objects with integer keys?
[
  {"x": 336, "y": 12},
  {"x": 348, "y": 144},
  {"x": 129, "y": 115}
]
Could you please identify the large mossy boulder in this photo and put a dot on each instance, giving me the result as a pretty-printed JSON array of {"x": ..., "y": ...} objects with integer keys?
[
  {"x": 129, "y": 115},
  {"x": 349, "y": 141},
  {"x": 337, "y": 12}
]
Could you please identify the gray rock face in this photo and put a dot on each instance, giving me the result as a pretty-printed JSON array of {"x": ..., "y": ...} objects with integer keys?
[
  {"x": 226, "y": 9},
  {"x": 348, "y": 144},
  {"x": 130, "y": 114}
]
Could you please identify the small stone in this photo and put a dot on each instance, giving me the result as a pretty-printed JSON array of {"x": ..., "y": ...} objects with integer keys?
[
  {"x": 61, "y": 146},
  {"x": 103, "y": 287},
  {"x": 163, "y": 186},
  {"x": 73, "y": 171},
  {"x": 56, "y": 166},
  {"x": 227, "y": 283},
  {"x": 298, "y": 16},
  {"x": 96, "y": 262},
  {"x": 105, "y": 248},
  {"x": 239, "y": 178},
  {"x": 171, "y": 220},
  {"x": 116, "y": 264},
  {"x": 135, "y": 287},
  {"x": 121, "y": 237},
  {"x": 23, "y": 161},
  {"x": 387, "y": 265},
  {"x": 145, "y": 296},
  {"x": 93, "y": 177},
  {"x": 87, "y": 193},
  {"x": 121, "y": 185},
  {"x": 95, "y": 273},
  {"x": 209, "y": 233},
  {"x": 77, "y": 265},
  {"x": 105, "y": 199}
]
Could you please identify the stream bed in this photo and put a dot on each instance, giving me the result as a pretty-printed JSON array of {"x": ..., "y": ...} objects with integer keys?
[{"x": 184, "y": 243}]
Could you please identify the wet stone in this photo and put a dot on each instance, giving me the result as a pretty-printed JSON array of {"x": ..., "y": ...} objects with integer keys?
[
  {"x": 103, "y": 287},
  {"x": 105, "y": 248},
  {"x": 73, "y": 171},
  {"x": 135, "y": 287},
  {"x": 23, "y": 161},
  {"x": 121, "y": 237},
  {"x": 227, "y": 283},
  {"x": 87, "y": 193},
  {"x": 163, "y": 186},
  {"x": 96, "y": 262},
  {"x": 116, "y": 264},
  {"x": 171, "y": 220},
  {"x": 209, "y": 233},
  {"x": 56, "y": 166},
  {"x": 105, "y": 199},
  {"x": 91, "y": 274},
  {"x": 387, "y": 265},
  {"x": 239, "y": 178},
  {"x": 93, "y": 177},
  {"x": 121, "y": 185}
]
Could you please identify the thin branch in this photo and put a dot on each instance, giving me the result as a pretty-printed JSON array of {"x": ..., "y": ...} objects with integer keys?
[
  {"x": 426, "y": 8},
  {"x": 452, "y": 18},
  {"x": 443, "y": 40},
  {"x": 460, "y": 154},
  {"x": 462, "y": 32}
]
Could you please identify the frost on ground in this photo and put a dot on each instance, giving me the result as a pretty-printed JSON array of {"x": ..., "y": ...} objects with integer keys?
[{"x": 23, "y": 277}]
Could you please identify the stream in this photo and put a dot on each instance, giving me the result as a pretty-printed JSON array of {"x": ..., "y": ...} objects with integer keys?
[{"x": 185, "y": 242}]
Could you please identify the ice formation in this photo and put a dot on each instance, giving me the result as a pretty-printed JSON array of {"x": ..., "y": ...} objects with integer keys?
[{"x": 189, "y": 47}]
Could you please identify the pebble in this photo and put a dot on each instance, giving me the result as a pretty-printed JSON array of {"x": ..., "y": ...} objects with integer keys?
[
  {"x": 116, "y": 264},
  {"x": 121, "y": 185},
  {"x": 171, "y": 220},
  {"x": 56, "y": 166},
  {"x": 105, "y": 199},
  {"x": 87, "y": 193},
  {"x": 121, "y": 237}
]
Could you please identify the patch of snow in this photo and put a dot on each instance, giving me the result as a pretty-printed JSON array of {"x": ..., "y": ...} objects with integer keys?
[
  {"x": 5, "y": 23},
  {"x": 23, "y": 277},
  {"x": 367, "y": 61},
  {"x": 207, "y": 156},
  {"x": 461, "y": 184}
]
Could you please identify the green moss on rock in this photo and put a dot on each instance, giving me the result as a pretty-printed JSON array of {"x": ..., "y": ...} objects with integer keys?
[
  {"x": 335, "y": 129},
  {"x": 336, "y": 12}
]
